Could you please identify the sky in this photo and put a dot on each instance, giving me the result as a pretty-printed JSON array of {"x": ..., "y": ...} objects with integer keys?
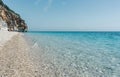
[{"x": 68, "y": 15}]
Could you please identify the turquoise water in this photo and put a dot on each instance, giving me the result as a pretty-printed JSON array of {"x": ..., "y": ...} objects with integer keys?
[{"x": 76, "y": 54}]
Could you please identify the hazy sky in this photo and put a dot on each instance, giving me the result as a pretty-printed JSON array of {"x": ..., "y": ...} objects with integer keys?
[{"x": 68, "y": 14}]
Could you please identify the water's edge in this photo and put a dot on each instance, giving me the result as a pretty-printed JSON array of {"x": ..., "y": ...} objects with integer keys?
[{"x": 76, "y": 54}]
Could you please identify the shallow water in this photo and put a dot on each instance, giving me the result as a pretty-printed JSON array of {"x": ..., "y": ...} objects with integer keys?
[{"x": 76, "y": 54}]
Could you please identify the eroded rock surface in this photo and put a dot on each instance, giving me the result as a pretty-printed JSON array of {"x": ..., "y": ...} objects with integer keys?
[{"x": 13, "y": 20}]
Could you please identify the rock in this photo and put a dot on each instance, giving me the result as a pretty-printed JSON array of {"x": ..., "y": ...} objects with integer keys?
[{"x": 13, "y": 20}]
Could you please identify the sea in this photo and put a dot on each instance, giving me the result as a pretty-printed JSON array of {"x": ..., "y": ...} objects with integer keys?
[{"x": 75, "y": 54}]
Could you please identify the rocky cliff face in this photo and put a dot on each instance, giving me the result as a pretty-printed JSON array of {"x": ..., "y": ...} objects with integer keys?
[{"x": 13, "y": 20}]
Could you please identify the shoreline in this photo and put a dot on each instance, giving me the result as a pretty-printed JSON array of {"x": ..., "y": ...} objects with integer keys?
[{"x": 15, "y": 60}]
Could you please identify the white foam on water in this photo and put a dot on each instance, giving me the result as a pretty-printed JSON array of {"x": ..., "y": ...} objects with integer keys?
[{"x": 35, "y": 45}]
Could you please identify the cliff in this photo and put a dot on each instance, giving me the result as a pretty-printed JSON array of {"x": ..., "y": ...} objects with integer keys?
[{"x": 13, "y": 20}]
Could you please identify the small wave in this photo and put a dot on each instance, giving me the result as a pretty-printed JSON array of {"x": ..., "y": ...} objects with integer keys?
[{"x": 35, "y": 45}]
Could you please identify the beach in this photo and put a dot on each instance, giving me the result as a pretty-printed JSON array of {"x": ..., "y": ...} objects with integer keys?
[
  {"x": 14, "y": 56},
  {"x": 59, "y": 54}
]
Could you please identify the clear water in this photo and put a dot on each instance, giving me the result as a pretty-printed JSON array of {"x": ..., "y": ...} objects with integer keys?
[{"x": 76, "y": 54}]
